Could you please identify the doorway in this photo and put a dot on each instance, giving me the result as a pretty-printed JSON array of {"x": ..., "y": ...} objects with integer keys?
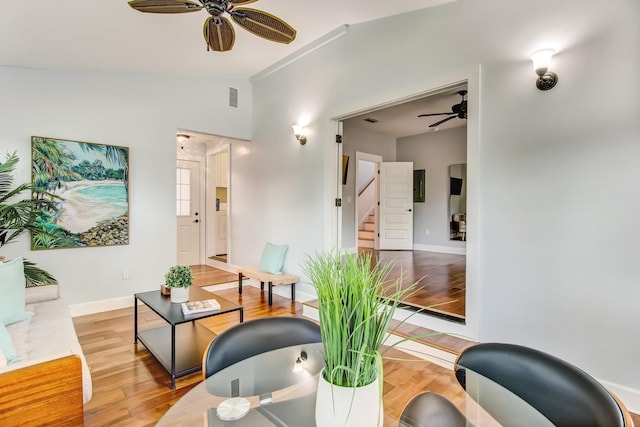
[
  {"x": 209, "y": 220},
  {"x": 366, "y": 204},
  {"x": 218, "y": 185},
  {"x": 395, "y": 133}
]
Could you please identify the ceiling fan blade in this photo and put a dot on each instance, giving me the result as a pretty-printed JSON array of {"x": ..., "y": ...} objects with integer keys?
[
  {"x": 219, "y": 34},
  {"x": 165, "y": 6},
  {"x": 241, "y": 2},
  {"x": 264, "y": 25},
  {"x": 435, "y": 114},
  {"x": 442, "y": 121}
]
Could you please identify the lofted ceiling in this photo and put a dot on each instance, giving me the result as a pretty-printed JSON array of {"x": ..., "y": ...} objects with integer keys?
[{"x": 108, "y": 35}]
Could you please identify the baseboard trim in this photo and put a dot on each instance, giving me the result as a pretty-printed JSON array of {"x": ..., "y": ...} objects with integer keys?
[
  {"x": 425, "y": 248},
  {"x": 100, "y": 306},
  {"x": 629, "y": 396},
  {"x": 440, "y": 249}
]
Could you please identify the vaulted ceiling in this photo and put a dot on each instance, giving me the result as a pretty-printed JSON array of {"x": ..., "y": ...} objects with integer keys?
[{"x": 111, "y": 36}]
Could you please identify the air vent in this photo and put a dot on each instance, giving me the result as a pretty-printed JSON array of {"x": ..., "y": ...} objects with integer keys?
[
  {"x": 233, "y": 97},
  {"x": 371, "y": 120}
]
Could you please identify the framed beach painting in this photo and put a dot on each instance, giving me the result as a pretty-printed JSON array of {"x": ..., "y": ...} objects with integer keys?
[{"x": 90, "y": 186}]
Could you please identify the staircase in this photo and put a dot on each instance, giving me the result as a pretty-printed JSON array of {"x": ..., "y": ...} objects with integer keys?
[{"x": 366, "y": 232}]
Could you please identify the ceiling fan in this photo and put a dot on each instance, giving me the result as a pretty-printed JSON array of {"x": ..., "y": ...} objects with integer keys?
[
  {"x": 218, "y": 32},
  {"x": 457, "y": 110}
]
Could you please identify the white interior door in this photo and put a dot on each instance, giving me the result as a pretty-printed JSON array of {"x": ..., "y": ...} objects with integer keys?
[
  {"x": 187, "y": 206},
  {"x": 396, "y": 205}
]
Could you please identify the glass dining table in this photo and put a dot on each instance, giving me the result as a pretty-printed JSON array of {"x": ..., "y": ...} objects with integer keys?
[{"x": 276, "y": 394}]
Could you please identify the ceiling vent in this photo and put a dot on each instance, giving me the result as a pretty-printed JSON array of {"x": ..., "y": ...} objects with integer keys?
[
  {"x": 371, "y": 120},
  {"x": 233, "y": 97}
]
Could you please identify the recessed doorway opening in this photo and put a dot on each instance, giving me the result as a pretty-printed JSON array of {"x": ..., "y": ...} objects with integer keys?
[
  {"x": 203, "y": 229},
  {"x": 405, "y": 132}
]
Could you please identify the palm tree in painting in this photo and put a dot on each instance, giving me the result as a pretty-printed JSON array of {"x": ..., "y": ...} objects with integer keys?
[
  {"x": 58, "y": 163},
  {"x": 52, "y": 164},
  {"x": 117, "y": 155}
]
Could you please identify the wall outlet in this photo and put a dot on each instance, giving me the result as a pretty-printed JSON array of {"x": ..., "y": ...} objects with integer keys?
[
  {"x": 125, "y": 274},
  {"x": 426, "y": 231}
]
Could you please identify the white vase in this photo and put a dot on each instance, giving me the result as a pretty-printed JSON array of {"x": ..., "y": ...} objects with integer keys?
[
  {"x": 179, "y": 294},
  {"x": 348, "y": 407}
]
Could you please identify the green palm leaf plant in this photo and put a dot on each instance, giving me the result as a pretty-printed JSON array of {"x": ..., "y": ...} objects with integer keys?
[
  {"x": 356, "y": 306},
  {"x": 20, "y": 215},
  {"x": 179, "y": 276}
]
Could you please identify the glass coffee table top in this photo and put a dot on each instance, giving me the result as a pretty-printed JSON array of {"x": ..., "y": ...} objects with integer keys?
[
  {"x": 172, "y": 312},
  {"x": 279, "y": 397}
]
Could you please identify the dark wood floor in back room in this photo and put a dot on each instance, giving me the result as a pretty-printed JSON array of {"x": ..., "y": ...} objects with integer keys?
[
  {"x": 442, "y": 278},
  {"x": 130, "y": 388}
]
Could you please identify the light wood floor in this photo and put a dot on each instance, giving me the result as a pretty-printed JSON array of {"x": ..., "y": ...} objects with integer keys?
[
  {"x": 130, "y": 388},
  {"x": 442, "y": 278}
]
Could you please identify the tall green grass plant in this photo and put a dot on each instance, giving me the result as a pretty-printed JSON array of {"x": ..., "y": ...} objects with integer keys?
[{"x": 356, "y": 305}]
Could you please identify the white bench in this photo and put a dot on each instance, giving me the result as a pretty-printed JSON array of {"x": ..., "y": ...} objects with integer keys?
[{"x": 271, "y": 279}]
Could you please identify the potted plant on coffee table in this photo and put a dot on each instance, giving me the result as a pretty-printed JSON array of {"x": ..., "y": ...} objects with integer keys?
[
  {"x": 179, "y": 278},
  {"x": 356, "y": 305}
]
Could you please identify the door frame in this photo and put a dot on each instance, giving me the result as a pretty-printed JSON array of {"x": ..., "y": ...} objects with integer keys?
[{"x": 402, "y": 94}]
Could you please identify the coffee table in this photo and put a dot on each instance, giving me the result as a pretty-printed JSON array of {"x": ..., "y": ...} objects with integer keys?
[{"x": 179, "y": 349}]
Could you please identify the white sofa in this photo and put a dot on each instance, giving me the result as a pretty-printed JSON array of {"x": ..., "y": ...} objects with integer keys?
[{"x": 52, "y": 374}]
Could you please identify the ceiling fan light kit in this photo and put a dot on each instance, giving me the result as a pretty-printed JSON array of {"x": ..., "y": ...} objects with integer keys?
[{"x": 218, "y": 31}]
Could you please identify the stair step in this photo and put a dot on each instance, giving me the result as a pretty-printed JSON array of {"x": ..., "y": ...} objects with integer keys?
[
  {"x": 365, "y": 244},
  {"x": 368, "y": 226},
  {"x": 366, "y": 235}
]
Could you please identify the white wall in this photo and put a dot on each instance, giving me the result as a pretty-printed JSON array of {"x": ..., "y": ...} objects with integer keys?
[
  {"x": 434, "y": 152},
  {"x": 366, "y": 172},
  {"x": 556, "y": 229},
  {"x": 141, "y": 112},
  {"x": 557, "y": 172}
]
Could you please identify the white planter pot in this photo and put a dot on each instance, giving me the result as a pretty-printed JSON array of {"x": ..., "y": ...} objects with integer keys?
[
  {"x": 348, "y": 407},
  {"x": 179, "y": 294}
]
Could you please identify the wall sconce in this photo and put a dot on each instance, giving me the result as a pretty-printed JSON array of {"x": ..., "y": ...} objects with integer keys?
[
  {"x": 300, "y": 132},
  {"x": 541, "y": 63},
  {"x": 298, "y": 367}
]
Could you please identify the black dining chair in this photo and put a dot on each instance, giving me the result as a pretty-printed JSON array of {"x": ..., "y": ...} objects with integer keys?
[
  {"x": 431, "y": 409},
  {"x": 563, "y": 393},
  {"x": 254, "y": 337}
]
